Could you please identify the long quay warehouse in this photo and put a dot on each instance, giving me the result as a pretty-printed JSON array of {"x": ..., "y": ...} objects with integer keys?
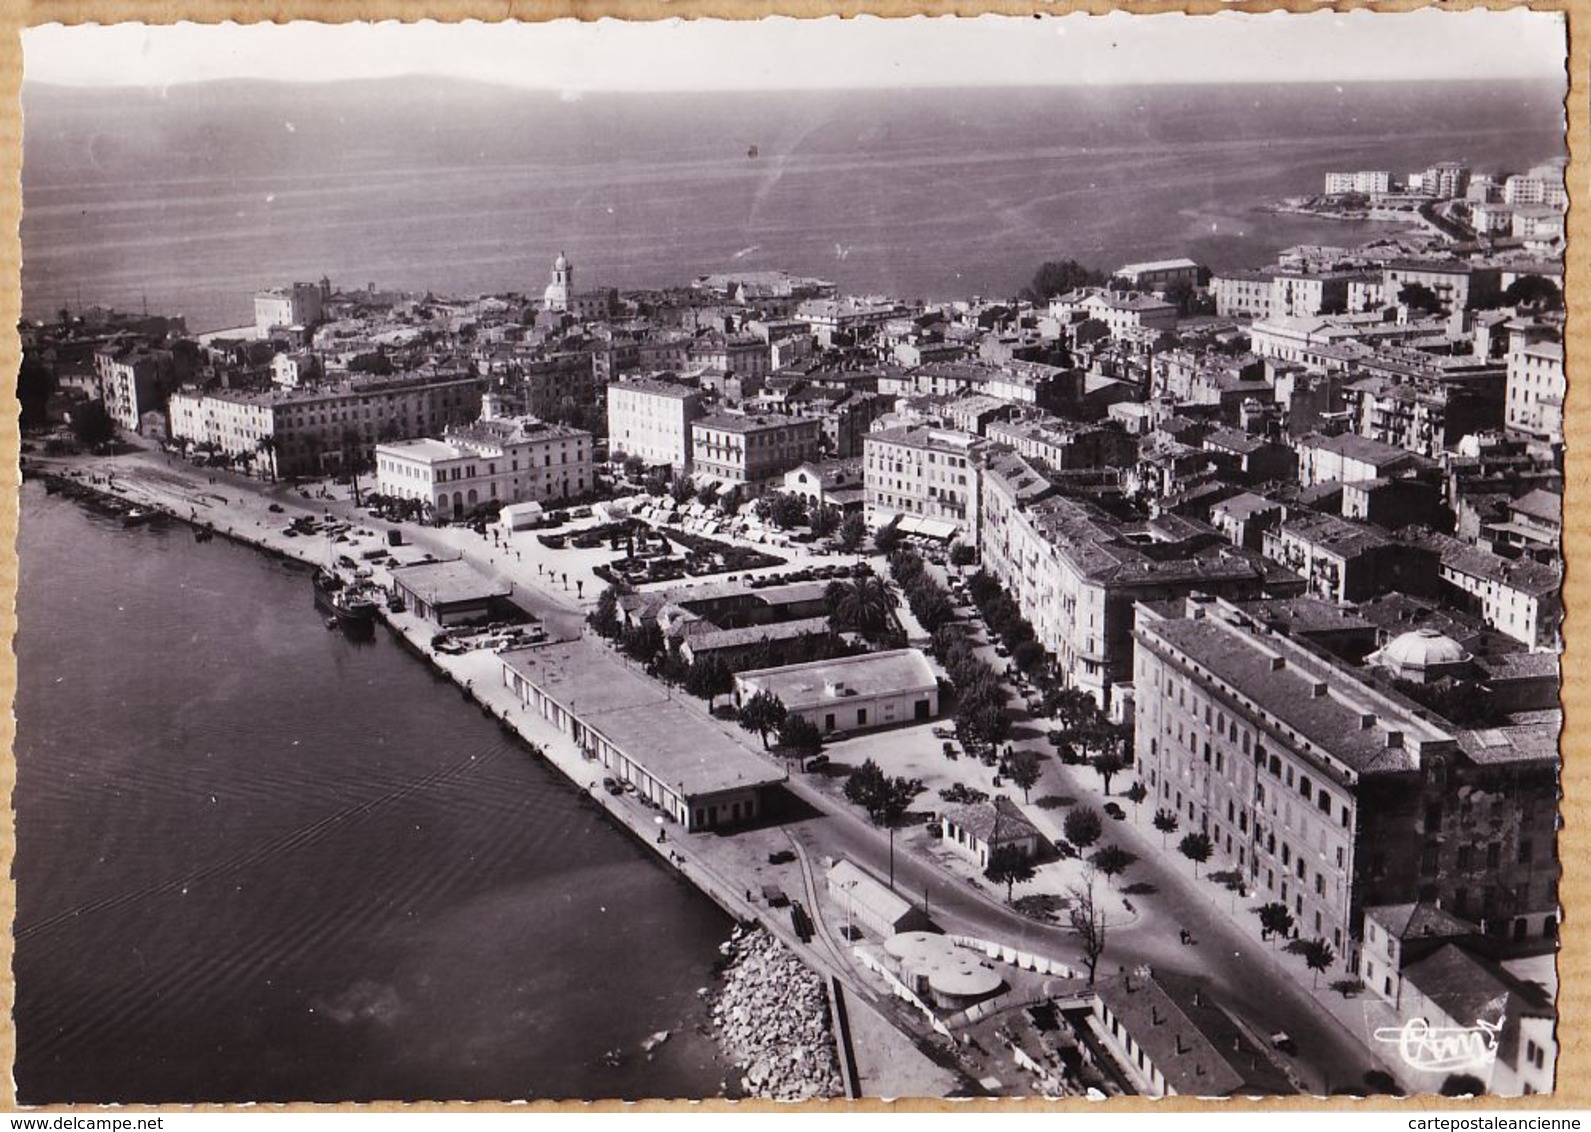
[{"x": 617, "y": 716}]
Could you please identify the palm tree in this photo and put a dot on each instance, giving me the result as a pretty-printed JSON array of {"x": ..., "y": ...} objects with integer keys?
[
  {"x": 267, "y": 447},
  {"x": 865, "y": 604}
]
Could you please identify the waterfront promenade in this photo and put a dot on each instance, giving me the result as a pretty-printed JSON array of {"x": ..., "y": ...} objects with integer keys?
[{"x": 732, "y": 869}]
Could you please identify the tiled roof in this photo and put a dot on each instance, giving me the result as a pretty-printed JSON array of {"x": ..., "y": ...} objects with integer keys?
[
  {"x": 1324, "y": 705},
  {"x": 994, "y": 823}
]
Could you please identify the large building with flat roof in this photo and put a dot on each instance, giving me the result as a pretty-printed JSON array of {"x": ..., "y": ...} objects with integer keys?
[
  {"x": 1160, "y": 274},
  {"x": 452, "y": 592},
  {"x": 676, "y": 758},
  {"x": 853, "y": 693}
]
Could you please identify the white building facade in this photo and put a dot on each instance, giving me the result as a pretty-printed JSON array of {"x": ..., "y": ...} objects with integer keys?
[
  {"x": 652, "y": 420},
  {"x": 512, "y": 460}
]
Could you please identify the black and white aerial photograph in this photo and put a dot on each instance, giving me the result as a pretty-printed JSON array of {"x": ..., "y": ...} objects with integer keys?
[{"x": 788, "y": 559}]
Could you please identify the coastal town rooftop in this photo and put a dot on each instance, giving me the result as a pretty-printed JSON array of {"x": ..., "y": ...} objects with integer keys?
[
  {"x": 1328, "y": 713},
  {"x": 675, "y": 742},
  {"x": 445, "y": 584},
  {"x": 824, "y": 681}
]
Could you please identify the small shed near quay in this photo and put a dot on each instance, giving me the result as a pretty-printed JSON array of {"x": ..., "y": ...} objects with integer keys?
[
  {"x": 872, "y": 904},
  {"x": 452, "y": 592}
]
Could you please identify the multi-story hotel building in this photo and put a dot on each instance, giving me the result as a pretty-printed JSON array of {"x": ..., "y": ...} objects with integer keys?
[
  {"x": 1329, "y": 795},
  {"x": 652, "y": 420},
  {"x": 308, "y": 432},
  {"x": 927, "y": 472},
  {"x": 503, "y": 460},
  {"x": 751, "y": 452}
]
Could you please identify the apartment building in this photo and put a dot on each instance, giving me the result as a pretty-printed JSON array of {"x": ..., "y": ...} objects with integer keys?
[
  {"x": 1365, "y": 182},
  {"x": 312, "y": 431},
  {"x": 1065, "y": 444},
  {"x": 1075, "y": 571},
  {"x": 1457, "y": 285},
  {"x": 1243, "y": 294},
  {"x": 1330, "y": 795},
  {"x": 1536, "y": 389},
  {"x": 652, "y": 420},
  {"x": 751, "y": 451},
  {"x": 1349, "y": 458},
  {"x": 1518, "y": 597},
  {"x": 132, "y": 381},
  {"x": 926, "y": 472}
]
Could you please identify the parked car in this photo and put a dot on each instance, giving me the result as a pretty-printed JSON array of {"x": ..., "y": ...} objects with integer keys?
[
  {"x": 781, "y": 857},
  {"x": 817, "y": 762},
  {"x": 944, "y": 733},
  {"x": 1282, "y": 1042},
  {"x": 1115, "y": 811},
  {"x": 275, "y": 508}
]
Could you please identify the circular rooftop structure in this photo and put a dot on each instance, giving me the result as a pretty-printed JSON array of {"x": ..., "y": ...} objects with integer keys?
[
  {"x": 955, "y": 976},
  {"x": 1424, "y": 648}
]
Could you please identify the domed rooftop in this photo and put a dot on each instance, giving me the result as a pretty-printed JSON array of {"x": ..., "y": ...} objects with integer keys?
[{"x": 1423, "y": 648}]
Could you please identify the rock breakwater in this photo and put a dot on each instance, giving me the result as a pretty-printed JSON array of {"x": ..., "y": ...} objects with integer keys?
[{"x": 771, "y": 1017}]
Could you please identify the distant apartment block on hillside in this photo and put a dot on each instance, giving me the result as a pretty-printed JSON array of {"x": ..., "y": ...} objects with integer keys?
[{"x": 1364, "y": 182}]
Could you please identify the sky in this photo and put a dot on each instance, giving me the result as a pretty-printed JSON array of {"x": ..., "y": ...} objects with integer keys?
[{"x": 782, "y": 54}]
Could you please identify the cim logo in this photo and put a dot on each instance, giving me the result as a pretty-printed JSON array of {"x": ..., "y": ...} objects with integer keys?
[{"x": 1443, "y": 1048}]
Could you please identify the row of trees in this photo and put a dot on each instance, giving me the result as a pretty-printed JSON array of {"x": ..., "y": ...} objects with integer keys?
[
  {"x": 980, "y": 699},
  {"x": 926, "y": 598}
]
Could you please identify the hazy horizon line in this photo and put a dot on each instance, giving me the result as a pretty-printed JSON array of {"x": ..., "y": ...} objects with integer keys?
[{"x": 916, "y": 85}]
